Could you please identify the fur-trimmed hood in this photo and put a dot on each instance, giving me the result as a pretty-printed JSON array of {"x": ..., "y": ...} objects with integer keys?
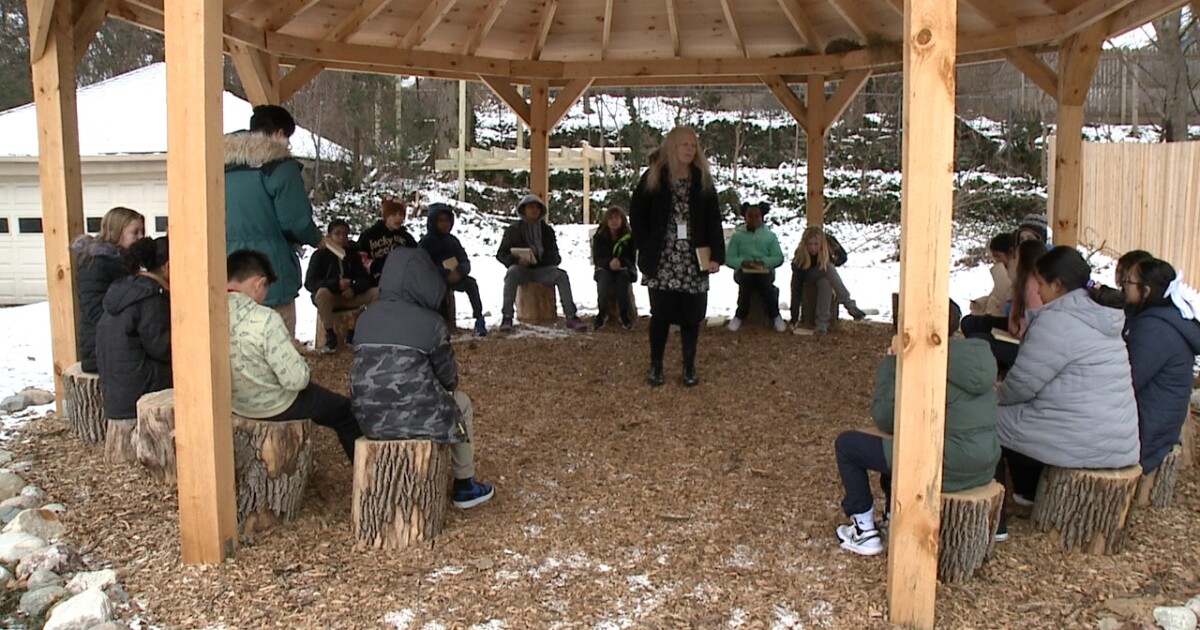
[{"x": 245, "y": 148}]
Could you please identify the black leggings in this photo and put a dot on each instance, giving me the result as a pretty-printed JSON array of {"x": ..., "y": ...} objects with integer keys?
[{"x": 660, "y": 330}]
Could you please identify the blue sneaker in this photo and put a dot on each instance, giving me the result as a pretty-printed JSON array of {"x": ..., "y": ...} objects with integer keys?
[
  {"x": 469, "y": 493},
  {"x": 480, "y": 327}
]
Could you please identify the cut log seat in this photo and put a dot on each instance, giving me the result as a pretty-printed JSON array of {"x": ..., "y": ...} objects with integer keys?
[
  {"x": 272, "y": 463},
  {"x": 401, "y": 491},
  {"x": 536, "y": 304},
  {"x": 1086, "y": 508},
  {"x": 84, "y": 404},
  {"x": 118, "y": 441},
  {"x": 969, "y": 521},
  {"x": 1156, "y": 488}
]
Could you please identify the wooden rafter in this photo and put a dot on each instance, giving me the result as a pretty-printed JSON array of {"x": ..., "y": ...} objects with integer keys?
[
  {"x": 1091, "y": 12},
  {"x": 279, "y": 13},
  {"x": 40, "y": 14},
  {"x": 804, "y": 28},
  {"x": 852, "y": 14},
  {"x": 1138, "y": 14},
  {"x": 483, "y": 26},
  {"x": 850, "y": 86},
  {"x": 1035, "y": 69},
  {"x": 507, "y": 93},
  {"x": 673, "y": 23},
  {"x": 259, "y": 73},
  {"x": 565, "y": 99},
  {"x": 607, "y": 34},
  {"x": 433, "y": 14},
  {"x": 787, "y": 98},
  {"x": 735, "y": 29},
  {"x": 88, "y": 20},
  {"x": 229, "y": 7},
  {"x": 308, "y": 70},
  {"x": 543, "y": 31},
  {"x": 897, "y": 6}
]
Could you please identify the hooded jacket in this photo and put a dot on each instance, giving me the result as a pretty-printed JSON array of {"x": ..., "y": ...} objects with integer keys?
[
  {"x": 267, "y": 208},
  {"x": 650, "y": 214},
  {"x": 100, "y": 264},
  {"x": 326, "y": 270},
  {"x": 403, "y": 375},
  {"x": 268, "y": 371},
  {"x": 1068, "y": 400},
  {"x": 514, "y": 236},
  {"x": 379, "y": 240},
  {"x": 761, "y": 244},
  {"x": 604, "y": 250},
  {"x": 133, "y": 344},
  {"x": 442, "y": 247},
  {"x": 971, "y": 448},
  {"x": 1162, "y": 348}
]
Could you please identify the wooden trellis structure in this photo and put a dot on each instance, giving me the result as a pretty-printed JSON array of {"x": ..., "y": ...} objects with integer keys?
[{"x": 559, "y": 48}]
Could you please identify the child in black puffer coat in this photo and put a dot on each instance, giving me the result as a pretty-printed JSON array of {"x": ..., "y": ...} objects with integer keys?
[{"x": 102, "y": 259}]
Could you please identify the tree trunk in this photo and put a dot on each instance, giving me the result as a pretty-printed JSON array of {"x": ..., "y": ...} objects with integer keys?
[
  {"x": 535, "y": 304},
  {"x": 84, "y": 404},
  {"x": 1086, "y": 508},
  {"x": 968, "y": 530},
  {"x": 1156, "y": 488},
  {"x": 154, "y": 435},
  {"x": 400, "y": 491},
  {"x": 272, "y": 461},
  {"x": 1174, "y": 78},
  {"x": 118, "y": 441}
]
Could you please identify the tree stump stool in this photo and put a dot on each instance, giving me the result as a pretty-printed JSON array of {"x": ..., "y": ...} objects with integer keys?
[
  {"x": 535, "y": 303},
  {"x": 401, "y": 489},
  {"x": 613, "y": 309},
  {"x": 1187, "y": 442},
  {"x": 343, "y": 322},
  {"x": 1086, "y": 508},
  {"x": 84, "y": 404},
  {"x": 450, "y": 311},
  {"x": 118, "y": 441},
  {"x": 154, "y": 435},
  {"x": 271, "y": 465},
  {"x": 1156, "y": 488},
  {"x": 808, "y": 306},
  {"x": 969, "y": 521}
]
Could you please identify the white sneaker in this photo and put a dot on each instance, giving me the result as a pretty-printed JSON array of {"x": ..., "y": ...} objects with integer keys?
[
  {"x": 800, "y": 330},
  {"x": 734, "y": 324},
  {"x": 1021, "y": 500},
  {"x": 863, "y": 543},
  {"x": 780, "y": 325}
]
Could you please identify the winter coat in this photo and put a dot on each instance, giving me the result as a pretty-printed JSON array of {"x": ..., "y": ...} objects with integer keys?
[
  {"x": 515, "y": 237},
  {"x": 268, "y": 372},
  {"x": 761, "y": 245},
  {"x": 442, "y": 247},
  {"x": 650, "y": 215},
  {"x": 267, "y": 208},
  {"x": 837, "y": 254},
  {"x": 326, "y": 270},
  {"x": 1162, "y": 348},
  {"x": 133, "y": 344},
  {"x": 100, "y": 264},
  {"x": 1068, "y": 400},
  {"x": 379, "y": 241},
  {"x": 971, "y": 448},
  {"x": 403, "y": 375},
  {"x": 604, "y": 250}
]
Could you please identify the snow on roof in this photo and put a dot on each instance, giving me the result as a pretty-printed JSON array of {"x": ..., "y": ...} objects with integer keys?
[{"x": 127, "y": 114}]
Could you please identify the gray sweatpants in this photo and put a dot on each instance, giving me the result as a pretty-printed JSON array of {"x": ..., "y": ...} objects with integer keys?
[
  {"x": 550, "y": 275},
  {"x": 462, "y": 455}
]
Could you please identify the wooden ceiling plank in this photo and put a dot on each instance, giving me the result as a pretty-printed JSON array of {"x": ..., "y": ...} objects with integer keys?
[
  {"x": 673, "y": 22},
  {"x": 433, "y": 15},
  {"x": 231, "y": 6},
  {"x": 507, "y": 93},
  {"x": 992, "y": 12},
  {"x": 361, "y": 14},
  {"x": 483, "y": 26},
  {"x": 804, "y": 28},
  {"x": 897, "y": 6},
  {"x": 1136, "y": 15},
  {"x": 1091, "y": 12},
  {"x": 279, "y": 13},
  {"x": 852, "y": 14},
  {"x": 547, "y": 21},
  {"x": 787, "y": 98},
  {"x": 735, "y": 29},
  {"x": 565, "y": 99}
]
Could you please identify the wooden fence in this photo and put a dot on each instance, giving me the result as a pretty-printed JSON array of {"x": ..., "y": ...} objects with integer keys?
[{"x": 1142, "y": 196}]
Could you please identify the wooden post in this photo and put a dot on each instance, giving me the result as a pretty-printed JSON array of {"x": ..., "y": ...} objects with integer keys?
[
  {"x": 930, "y": 47},
  {"x": 52, "y": 55},
  {"x": 539, "y": 140},
  {"x": 462, "y": 140},
  {"x": 815, "y": 130},
  {"x": 1077, "y": 59},
  {"x": 587, "y": 191},
  {"x": 199, "y": 315}
]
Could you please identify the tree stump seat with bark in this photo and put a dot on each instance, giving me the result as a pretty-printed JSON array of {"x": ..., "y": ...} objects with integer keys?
[
  {"x": 154, "y": 435},
  {"x": 968, "y": 529},
  {"x": 1156, "y": 488},
  {"x": 1187, "y": 441},
  {"x": 84, "y": 404},
  {"x": 613, "y": 309},
  {"x": 272, "y": 462},
  {"x": 401, "y": 491},
  {"x": 118, "y": 441},
  {"x": 343, "y": 322},
  {"x": 450, "y": 311},
  {"x": 1086, "y": 508},
  {"x": 536, "y": 303},
  {"x": 808, "y": 306}
]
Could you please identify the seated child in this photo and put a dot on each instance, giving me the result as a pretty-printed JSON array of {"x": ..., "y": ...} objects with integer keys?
[
  {"x": 403, "y": 382},
  {"x": 815, "y": 266},
  {"x": 452, "y": 261},
  {"x": 1025, "y": 297},
  {"x": 270, "y": 378},
  {"x": 1034, "y": 228},
  {"x": 970, "y": 448},
  {"x": 532, "y": 233},
  {"x": 754, "y": 254},
  {"x": 133, "y": 338},
  {"x": 337, "y": 280},
  {"x": 615, "y": 258},
  {"x": 988, "y": 312},
  {"x": 387, "y": 234}
]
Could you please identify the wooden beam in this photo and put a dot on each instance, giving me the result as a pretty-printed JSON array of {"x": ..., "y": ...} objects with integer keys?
[
  {"x": 298, "y": 77},
  {"x": 565, "y": 99},
  {"x": 259, "y": 76},
  {"x": 853, "y": 16},
  {"x": 539, "y": 140},
  {"x": 40, "y": 14},
  {"x": 735, "y": 29},
  {"x": 539, "y": 40},
  {"x": 673, "y": 23},
  {"x": 90, "y": 18},
  {"x": 199, "y": 315},
  {"x": 607, "y": 33},
  {"x": 280, "y": 13},
  {"x": 302, "y": 74},
  {"x": 849, "y": 87},
  {"x": 814, "y": 201},
  {"x": 507, "y": 93},
  {"x": 992, "y": 12},
  {"x": 787, "y": 98},
  {"x": 1091, "y": 12},
  {"x": 897, "y": 6},
  {"x": 930, "y": 48},
  {"x": 229, "y": 7},
  {"x": 53, "y": 74},
  {"x": 1035, "y": 69},
  {"x": 1136, "y": 15},
  {"x": 803, "y": 27},
  {"x": 483, "y": 26},
  {"x": 433, "y": 15}
]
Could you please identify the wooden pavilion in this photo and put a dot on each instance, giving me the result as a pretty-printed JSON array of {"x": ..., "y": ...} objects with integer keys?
[{"x": 559, "y": 48}]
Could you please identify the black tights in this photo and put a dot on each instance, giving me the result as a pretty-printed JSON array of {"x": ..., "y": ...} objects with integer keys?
[{"x": 660, "y": 329}]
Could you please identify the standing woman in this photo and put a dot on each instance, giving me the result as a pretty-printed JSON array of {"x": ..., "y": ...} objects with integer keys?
[
  {"x": 673, "y": 214},
  {"x": 102, "y": 260}
]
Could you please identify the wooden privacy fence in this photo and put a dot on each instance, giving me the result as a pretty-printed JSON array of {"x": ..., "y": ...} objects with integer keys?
[{"x": 1142, "y": 196}]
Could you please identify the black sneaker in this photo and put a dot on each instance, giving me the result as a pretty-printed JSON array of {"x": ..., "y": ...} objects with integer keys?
[
  {"x": 626, "y": 322},
  {"x": 655, "y": 377},
  {"x": 855, "y": 312},
  {"x": 600, "y": 321},
  {"x": 690, "y": 379},
  {"x": 506, "y": 325},
  {"x": 350, "y": 337},
  {"x": 331, "y": 343}
]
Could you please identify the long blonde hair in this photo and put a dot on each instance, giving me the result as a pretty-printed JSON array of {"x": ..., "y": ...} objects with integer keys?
[
  {"x": 823, "y": 256},
  {"x": 115, "y": 222},
  {"x": 664, "y": 158}
]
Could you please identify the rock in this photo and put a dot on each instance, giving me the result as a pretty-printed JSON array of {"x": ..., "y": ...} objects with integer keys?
[
  {"x": 10, "y": 485},
  {"x": 92, "y": 579},
  {"x": 33, "y": 491},
  {"x": 1175, "y": 618},
  {"x": 42, "y": 578},
  {"x": 5, "y": 577},
  {"x": 1194, "y": 605},
  {"x": 8, "y": 513},
  {"x": 87, "y": 609},
  {"x": 13, "y": 404},
  {"x": 41, "y": 523},
  {"x": 21, "y": 502},
  {"x": 16, "y": 546},
  {"x": 35, "y": 603},
  {"x": 1109, "y": 623},
  {"x": 111, "y": 625},
  {"x": 23, "y": 466},
  {"x": 60, "y": 558},
  {"x": 37, "y": 396},
  {"x": 5, "y": 457},
  {"x": 57, "y": 508}
]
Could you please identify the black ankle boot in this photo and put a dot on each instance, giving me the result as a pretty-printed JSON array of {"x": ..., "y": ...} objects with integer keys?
[
  {"x": 689, "y": 376},
  {"x": 655, "y": 377}
]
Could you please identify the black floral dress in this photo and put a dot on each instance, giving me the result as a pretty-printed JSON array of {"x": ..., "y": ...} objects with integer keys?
[{"x": 678, "y": 268}]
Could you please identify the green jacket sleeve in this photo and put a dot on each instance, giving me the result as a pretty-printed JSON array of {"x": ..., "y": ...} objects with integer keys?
[
  {"x": 290, "y": 369},
  {"x": 883, "y": 406},
  {"x": 774, "y": 257},
  {"x": 292, "y": 207},
  {"x": 734, "y": 256}
]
